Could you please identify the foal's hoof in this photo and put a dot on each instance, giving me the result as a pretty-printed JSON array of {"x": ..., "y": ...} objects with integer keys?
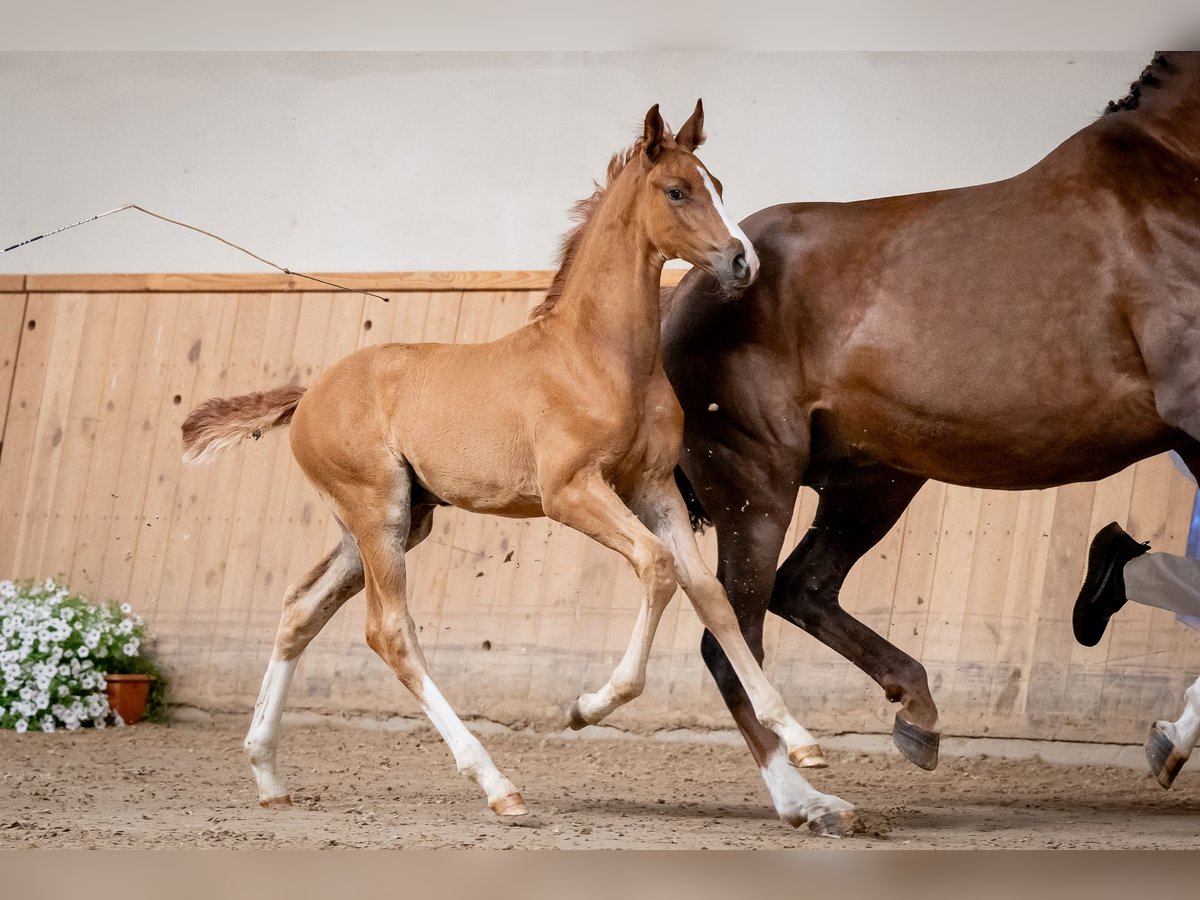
[
  {"x": 810, "y": 757},
  {"x": 276, "y": 802},
  {"x": 1164, "y": 757},
  {"x": 509, "y": 807},
  {"x": 575, "y": 717},
  {"x": 919, "y": 745},
  {"x": 834, "y": 824}
]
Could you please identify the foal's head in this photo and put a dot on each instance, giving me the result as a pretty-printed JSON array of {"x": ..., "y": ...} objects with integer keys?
[{"x": 680, "y": 204}]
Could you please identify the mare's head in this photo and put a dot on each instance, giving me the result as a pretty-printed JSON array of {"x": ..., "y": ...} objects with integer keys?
[{"x": 680, "y": 208}]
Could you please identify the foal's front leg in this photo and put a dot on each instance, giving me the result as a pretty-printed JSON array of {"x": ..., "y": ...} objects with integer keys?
[
  {"x": 664, "y": 510},
  {"x": 590, "y": 506}
]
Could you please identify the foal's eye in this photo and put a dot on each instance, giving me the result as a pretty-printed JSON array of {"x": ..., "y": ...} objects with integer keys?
[{"x": 675, "y": 194}]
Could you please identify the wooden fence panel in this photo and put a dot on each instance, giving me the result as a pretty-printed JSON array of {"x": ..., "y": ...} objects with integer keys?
[{"x": 516, "y": 617}]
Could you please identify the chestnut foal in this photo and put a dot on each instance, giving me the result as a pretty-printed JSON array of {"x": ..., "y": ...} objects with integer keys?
[{"x": 587, "y": 431}]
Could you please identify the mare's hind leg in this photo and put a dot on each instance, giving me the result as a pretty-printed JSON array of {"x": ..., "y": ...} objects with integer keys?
[
  {"x": 307, "y": 606},
  {"x": 383, "y": 532},
  {"x": 1171, "y": 743},
  {"x": 851, "y": 518}
]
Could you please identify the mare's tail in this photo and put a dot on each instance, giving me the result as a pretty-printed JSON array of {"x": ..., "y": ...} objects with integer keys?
[
  {"x": 221, "y": 422},
  {"x": 696, "y": 511}
]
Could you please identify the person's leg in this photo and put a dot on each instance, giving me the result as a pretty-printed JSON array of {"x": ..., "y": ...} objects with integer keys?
[{"x": 1166, "y": 581}]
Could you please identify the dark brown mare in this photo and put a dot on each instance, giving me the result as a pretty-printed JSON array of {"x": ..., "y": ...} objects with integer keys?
[{"x": 1036, "y": 331}]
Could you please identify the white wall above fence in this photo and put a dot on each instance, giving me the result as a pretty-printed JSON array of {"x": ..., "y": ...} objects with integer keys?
[{"x": 468, "y": 161}]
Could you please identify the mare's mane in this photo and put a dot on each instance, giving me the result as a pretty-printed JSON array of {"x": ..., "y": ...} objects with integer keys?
[{"x": 1151, "y": 77}]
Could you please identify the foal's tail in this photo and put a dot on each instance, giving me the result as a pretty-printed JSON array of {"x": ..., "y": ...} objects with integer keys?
[{"x": 221, "y": 422}]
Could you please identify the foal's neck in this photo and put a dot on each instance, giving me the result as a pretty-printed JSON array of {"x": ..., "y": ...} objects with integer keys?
[{"x": 610, "y": 302}]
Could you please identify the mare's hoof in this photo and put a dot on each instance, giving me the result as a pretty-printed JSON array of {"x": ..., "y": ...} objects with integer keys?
[
  {"x": 1164, "y": 757},
  {"x": 276, "y": 802},
  {"x": 834, "y": 824},
  {"x": 509, "y": 807},
  {"x": 575, "y": 717},
  {"x": 810, "y": 757},
  {"x": 919, "y": 745}
]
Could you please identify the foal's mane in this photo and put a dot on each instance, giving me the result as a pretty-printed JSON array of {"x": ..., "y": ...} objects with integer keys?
[
  {"x": 1151, "y": 77},
  {"x": 582, "y": 213}
]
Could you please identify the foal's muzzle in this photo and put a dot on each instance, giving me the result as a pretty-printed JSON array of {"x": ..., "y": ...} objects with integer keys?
[{"x": 736, "y": 266}]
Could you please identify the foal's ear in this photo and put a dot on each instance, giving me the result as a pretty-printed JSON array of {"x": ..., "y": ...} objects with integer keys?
[
  {"x": 691, "y": 135},
  {"x": 652, "y": 134}
]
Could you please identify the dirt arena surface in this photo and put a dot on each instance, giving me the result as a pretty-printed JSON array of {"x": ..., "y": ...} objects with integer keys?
[{"x": 188, "y": 785}]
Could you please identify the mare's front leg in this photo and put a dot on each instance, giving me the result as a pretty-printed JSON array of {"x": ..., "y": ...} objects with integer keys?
[
  {"x": 851, "y": 518},
  {"x": 1171, "y": 743}
]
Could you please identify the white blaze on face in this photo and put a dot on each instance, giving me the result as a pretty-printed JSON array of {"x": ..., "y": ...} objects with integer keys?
[{"x": 734, "y": 230}]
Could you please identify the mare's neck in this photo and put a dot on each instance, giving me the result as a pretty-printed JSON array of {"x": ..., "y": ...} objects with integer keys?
[{"x": 1170, "y": 110}]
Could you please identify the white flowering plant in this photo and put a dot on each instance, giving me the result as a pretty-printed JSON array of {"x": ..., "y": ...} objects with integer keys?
[{"x": 55, "y": 649}]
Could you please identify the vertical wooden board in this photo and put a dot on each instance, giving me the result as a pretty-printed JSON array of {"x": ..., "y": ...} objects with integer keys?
[
  {"x": 408, "y": 325},
  {"x": 917, "y": 563},
  {"x": 981, "y": 619},
  {"x": 21, "y": 426},
  {"x": 145, "y": 401},
  {"x": 162, "y": 465},
  {"x": 159, "y": 586},
  {"x": 97, "y": 526},
  {"x": 53, "y": 402},
  {"x": 79, "y": 445},
  {"x": 949, "y": 593},
  {"x": 1022, "y": 606},
  {"x": 441, "y": 319},
  {"x": 12, "y": 327}
]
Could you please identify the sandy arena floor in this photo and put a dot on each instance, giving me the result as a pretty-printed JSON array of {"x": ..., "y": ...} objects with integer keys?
[{"x": 188, "y": 785}]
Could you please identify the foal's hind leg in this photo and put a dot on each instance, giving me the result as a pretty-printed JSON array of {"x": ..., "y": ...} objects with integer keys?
[
  {"x": 383, "y": 533},
  {"x": 851, "y": 518},
  {"x": 307, "y": 606}
]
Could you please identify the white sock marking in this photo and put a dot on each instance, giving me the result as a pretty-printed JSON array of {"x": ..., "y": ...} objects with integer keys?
[
  {"x": 469, "y": 755},
  {"x": 796, "y": 801},
  {"x": 263, "y": 738}
]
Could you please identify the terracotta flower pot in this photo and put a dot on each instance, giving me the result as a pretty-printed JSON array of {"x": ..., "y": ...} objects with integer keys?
[{"x": 127, "y": 695}]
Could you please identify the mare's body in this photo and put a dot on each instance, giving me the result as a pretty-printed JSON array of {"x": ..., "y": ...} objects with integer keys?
[{"x": 1023, "y": 334}]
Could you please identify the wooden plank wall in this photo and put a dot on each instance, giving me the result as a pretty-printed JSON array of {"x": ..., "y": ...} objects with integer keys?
[{"x": 515, "y": 617}]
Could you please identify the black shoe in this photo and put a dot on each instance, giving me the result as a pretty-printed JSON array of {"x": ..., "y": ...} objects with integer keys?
[{"x": 1103, "y": 591}]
